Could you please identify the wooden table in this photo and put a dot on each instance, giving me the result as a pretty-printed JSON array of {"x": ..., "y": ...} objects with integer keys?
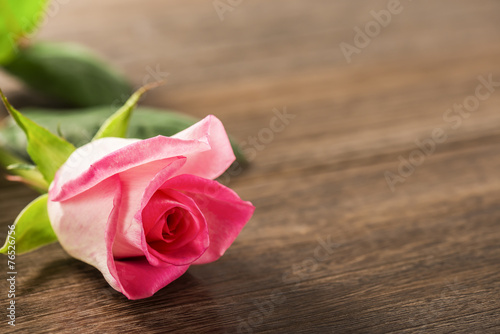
[{"x": 331, "y": 247}]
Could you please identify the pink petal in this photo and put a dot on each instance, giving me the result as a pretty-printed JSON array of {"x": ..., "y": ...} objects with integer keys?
[
  {"x": 82, "y": 223},
  {"x": 205, "y": 145},
  {"x": 139, "y": 187},
  {"x": 212, "y": 163},
  {"x": 82, "y": 160},
  {"x": 186, "y": 247},
  {"x": 140, "y": 280},
  {"x": 68, "y": 184},
  {"x": 129, "y": 241},
  {"x": 225, "y": 212}
]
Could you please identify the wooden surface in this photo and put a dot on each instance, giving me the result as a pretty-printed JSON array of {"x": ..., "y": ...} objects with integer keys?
[{"x": 424, "y": 258}]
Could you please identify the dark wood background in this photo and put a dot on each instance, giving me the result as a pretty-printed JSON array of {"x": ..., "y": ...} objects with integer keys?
[{"x": 424, "y": 258}]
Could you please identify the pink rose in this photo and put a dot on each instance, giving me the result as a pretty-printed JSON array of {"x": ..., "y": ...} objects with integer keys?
[{"x": 143, "y": 211}]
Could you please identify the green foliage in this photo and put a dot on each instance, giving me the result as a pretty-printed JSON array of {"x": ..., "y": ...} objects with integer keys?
[
  {"x": 19, "y": 169},
  {"x": 32, "y": 229},
  {"x": 18, "y": 18},
  {"x": 48, "y": 151},
  {"x": 69, "y": 73}
]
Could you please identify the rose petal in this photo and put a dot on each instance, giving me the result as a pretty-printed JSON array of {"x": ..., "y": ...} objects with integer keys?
[
  {"x": 130, "y": 156},
  {"x": 205, "y": 144},
  {"x": 212, "y": 163},
  {"x": 140, "y": 280},
  {"x": 82, "y": 160},
  {"x": 135, "y": 181},
  {"x": 135, "y": 220},
  {"x": 81, "y": 225},
  {"x": 225, "y": 212},
  {"x": 187, "y": 247}
]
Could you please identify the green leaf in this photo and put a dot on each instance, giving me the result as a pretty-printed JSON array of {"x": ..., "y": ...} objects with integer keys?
[
  {"x": 78, "y": 127},
  {"x": 19, "y": 171},
  {"x": 32, "y": 228},
  {"x": 21, "y": 166},
  {"x": 47, "y": 150},
  {"x": 17, "y": 20},
  {"x": 69, "y": 73},
  {"x": 117, "y": 124}
]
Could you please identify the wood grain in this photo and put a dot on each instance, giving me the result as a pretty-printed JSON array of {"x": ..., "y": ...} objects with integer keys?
[{"x": 424, "y": 258}]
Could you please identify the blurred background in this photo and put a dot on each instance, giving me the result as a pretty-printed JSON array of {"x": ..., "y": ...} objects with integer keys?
[
  {"x": 357, "y": 87},
  {"x": 251, "y": 57}
]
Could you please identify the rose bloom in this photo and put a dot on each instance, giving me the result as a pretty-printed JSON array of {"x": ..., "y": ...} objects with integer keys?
[{"x": 143, "y": 211}]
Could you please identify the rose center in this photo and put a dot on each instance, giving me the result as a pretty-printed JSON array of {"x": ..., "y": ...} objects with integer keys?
[
  {"x": 172, "y": 230},
  {"x": 171, "y": 224}
]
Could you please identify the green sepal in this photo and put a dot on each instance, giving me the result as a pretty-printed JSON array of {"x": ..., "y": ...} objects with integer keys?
[
  {"x": 19, "y": 170},
  {"x": 117, "y": 124},
  {"x": 31, "y": 230},
  {"x": 48, "y": 151},
  {"x": 21, "y": 166}
]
